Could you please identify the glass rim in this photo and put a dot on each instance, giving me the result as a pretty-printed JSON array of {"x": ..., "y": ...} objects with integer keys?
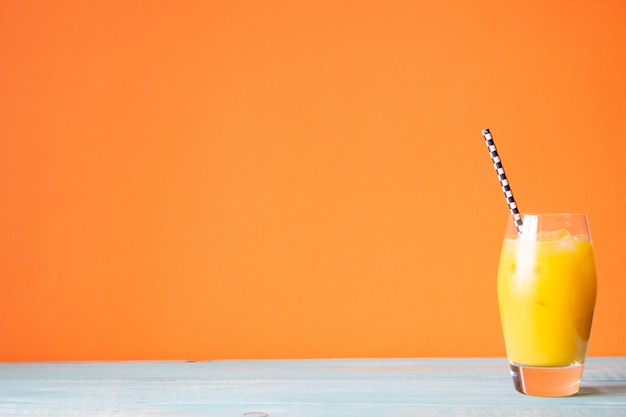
[{"x": 553, "y": 214}]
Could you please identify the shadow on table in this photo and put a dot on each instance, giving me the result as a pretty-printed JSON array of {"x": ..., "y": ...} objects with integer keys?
[{"x": 605, "y": 389}]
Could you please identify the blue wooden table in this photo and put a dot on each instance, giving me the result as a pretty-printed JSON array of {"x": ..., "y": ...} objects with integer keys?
[{"x": 273, "y": 388}]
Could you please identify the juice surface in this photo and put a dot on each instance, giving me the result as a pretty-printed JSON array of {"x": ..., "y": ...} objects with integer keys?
[{"x": 546, "y": 294}]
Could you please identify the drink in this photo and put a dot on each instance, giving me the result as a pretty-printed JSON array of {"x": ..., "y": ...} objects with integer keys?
[{"x": 546, "y": 294}]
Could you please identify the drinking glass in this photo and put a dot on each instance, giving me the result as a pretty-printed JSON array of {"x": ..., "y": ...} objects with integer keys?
[{"x": 546, "y": 295}]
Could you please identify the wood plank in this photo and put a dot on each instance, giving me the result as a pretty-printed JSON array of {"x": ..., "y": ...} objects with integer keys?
[{"x": 341, "y": 387}]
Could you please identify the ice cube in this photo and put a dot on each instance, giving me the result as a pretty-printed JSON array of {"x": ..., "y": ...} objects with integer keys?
[
  {"x": 566, "y": 244},
  {"x": 553, "y": 235}
]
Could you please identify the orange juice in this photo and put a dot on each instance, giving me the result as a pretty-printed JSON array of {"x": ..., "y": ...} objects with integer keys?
[{"x": 546, "y": 294}]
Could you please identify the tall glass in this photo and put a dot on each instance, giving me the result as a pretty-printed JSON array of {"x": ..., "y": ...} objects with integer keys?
[{"x": 547, "y": 294}]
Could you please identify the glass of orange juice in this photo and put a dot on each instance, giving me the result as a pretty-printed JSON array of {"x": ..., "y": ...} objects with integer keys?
[{"x": 546, "y": 295}]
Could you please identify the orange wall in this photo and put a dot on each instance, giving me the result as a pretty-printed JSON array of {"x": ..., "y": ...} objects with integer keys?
[{"x": 291, "y": 179}]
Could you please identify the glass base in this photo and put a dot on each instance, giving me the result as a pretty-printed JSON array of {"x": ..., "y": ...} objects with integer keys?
[{"x": 545, "y": 381}]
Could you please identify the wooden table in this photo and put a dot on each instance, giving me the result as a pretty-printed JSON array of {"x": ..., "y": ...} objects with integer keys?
[{"x": 340, "y": 387}]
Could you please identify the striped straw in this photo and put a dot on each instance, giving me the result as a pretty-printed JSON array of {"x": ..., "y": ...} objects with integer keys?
[{"x": 497, "y": 164}]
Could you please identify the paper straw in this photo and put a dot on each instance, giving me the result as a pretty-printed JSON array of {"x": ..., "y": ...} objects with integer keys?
[{"x": 506, "y": 188}]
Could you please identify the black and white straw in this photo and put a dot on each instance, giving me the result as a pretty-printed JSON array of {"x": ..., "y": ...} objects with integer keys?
[{"x": 506, "y": 188}]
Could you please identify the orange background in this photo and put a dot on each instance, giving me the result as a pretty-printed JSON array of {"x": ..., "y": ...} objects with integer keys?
[{"x": 295, "y": 179}]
